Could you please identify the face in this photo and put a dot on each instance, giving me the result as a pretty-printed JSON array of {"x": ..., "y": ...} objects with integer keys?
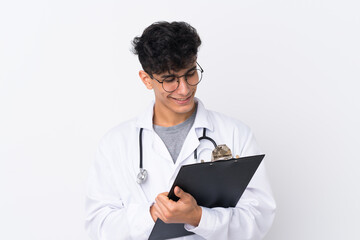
[{"x": 179, "y": 102}]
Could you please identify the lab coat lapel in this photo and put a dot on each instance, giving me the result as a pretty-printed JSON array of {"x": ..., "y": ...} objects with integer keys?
[
  {"x": 160, "y": 148},
  {"x": 146, "y": 121},
  {"x": 188, "y": 148},
  {"x": 202, "y": 121}
]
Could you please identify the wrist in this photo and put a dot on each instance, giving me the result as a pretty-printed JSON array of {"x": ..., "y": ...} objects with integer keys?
[{"x": 196, "y": 217}]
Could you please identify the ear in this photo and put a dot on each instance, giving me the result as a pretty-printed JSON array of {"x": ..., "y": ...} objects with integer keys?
[{"x": 145, "y": 78}]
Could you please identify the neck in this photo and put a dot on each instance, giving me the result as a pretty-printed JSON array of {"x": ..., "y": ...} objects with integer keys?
[{"x": 169, "y": 119}]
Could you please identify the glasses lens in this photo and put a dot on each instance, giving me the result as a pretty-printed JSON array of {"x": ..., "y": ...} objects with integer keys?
[
  {"x": 171, "y": 85},
  {"x": 194, "y": 78}
]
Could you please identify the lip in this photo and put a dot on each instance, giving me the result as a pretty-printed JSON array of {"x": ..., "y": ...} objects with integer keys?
[{"x": 182, "y": 101}]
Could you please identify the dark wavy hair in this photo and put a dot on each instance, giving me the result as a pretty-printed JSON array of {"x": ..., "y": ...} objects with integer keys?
[{"x": 165, "y": 46}]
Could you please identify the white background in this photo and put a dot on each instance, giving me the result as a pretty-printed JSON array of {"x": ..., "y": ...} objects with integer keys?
[{"x": 289, "y": 69}]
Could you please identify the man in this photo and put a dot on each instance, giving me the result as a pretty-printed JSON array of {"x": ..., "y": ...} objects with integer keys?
[{"x": 120, "y": 203}]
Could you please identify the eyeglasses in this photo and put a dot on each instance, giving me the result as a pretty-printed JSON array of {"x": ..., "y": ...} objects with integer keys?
[{"x": 171, "y": 82}]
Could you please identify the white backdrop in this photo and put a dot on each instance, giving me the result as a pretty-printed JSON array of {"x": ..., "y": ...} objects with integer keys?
[{"x": 289, "y": 69}]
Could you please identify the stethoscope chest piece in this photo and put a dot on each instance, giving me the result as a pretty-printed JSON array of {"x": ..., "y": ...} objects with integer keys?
[{"x": 142, "y": 176}]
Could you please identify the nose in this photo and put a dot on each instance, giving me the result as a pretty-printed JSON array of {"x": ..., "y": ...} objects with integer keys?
[{"x": 184, "y": 87}]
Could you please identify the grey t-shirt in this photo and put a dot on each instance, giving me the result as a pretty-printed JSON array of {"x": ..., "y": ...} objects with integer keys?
[{"x": 174, "y": 136}]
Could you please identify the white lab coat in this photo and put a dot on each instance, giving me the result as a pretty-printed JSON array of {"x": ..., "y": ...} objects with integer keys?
[{"x": 117, "y": 207}]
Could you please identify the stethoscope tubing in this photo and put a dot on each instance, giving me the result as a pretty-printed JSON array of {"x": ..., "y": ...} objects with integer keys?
[
  {"x": 141, "y": 148},
  {"x": 143, "y": 173},
  {"x": 206, "y": 138}
]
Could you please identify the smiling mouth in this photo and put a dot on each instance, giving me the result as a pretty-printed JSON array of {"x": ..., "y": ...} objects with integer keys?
[{"x": 182, "y": 100}]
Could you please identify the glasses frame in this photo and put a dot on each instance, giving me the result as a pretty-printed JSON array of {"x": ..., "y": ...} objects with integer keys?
[{"x": 178, "y": 79}]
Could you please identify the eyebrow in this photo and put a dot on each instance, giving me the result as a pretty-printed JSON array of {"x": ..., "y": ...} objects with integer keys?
[{"x": 172, "y": 75}]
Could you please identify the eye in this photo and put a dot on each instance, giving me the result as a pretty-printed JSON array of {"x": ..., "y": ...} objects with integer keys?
[
  {"x": 191, "y": 73},
  {"x": 169, "y": 79}
]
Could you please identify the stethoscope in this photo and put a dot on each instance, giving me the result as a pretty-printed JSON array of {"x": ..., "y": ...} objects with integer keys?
[{"x": 142, "y": 175}]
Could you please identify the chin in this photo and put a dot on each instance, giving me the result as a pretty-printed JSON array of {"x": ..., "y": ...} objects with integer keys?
[{"x": 185, "y": 108}]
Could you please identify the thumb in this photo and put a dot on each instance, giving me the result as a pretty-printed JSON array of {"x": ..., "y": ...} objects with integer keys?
[{"x": 179, "y": 192}]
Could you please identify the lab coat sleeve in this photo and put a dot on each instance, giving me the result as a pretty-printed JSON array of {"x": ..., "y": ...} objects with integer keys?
[
  {"x": 107, "y": 218},
  {"x": 253, "y": 215}
]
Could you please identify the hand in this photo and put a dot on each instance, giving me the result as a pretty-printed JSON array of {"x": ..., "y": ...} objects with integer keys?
[{"x": 185, "y": 210}]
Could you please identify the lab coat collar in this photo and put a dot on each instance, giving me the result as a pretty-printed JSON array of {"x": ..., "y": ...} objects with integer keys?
[
  {"x": 145, "y": 120},
  {"x": 202, "y": 119}
]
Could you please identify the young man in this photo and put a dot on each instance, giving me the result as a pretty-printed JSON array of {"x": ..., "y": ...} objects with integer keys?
[{"x": 124, "y": 201}]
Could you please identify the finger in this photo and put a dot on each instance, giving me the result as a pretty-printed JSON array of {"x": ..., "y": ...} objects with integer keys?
[
  {"x": 154, "y": 212},
  {"x": 164, "y": 213},
  {"x": 180, "y": 193},
  {"x": 160, "y": 210},
  {"x": 162, "y": 202},
  {"x": 162, "y": 197},
  {"x": 164, "y": 194}
]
